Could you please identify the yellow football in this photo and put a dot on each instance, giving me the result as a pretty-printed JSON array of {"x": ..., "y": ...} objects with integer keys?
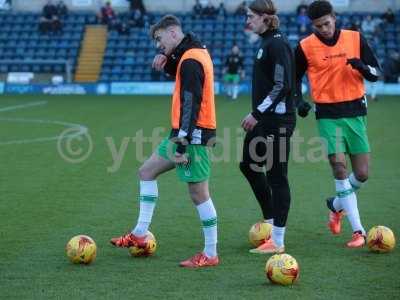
[
  {"x": 81, "y": 249},
  {"x": 149, "y": 249},
  {"x": 259, "y": 232},
  {"x": 381, "y": 239},
  {"x": 282, "y": 269}
]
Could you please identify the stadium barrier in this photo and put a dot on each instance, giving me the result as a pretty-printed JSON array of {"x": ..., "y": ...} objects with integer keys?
[
  {"x": 147, "y": 88},
  {"x": 34, "y": 62}
]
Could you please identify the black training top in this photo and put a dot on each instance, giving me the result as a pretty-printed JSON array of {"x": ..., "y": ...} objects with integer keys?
[{"x": 273, "y": 83}]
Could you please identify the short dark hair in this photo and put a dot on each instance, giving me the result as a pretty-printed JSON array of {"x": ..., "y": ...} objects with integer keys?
[
  {"x": 320, "y": 8},
  {"x": 164, "y": 23},
  {"x": 266, "y": 7}
]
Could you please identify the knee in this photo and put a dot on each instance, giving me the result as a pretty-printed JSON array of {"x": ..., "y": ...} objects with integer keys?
[
  {"x": 145, "y": 174},
  {"x": 199, "y": 195},
  {"x": 362, "y": 176},
  {"x": 278, "y": 181},
  {"x": 339, "y": 170}
]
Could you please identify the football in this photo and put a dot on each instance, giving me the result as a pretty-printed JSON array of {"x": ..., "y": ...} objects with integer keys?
[
  {"x": 81, "y": 249},
  {"x": 149, "y": 249},
  {"x": 259, "y": 232},
  {"x": 381, "y": 239},
  {"x": 282, "y": 269}
]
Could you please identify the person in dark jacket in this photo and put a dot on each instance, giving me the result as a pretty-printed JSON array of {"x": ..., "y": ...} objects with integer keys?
[
  {"x": 270, "y": 124},
  {"x": 193, "y": 129}
]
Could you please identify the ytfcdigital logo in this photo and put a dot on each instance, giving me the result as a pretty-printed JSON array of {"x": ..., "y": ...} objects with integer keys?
[{"x": 75, "y": 145}]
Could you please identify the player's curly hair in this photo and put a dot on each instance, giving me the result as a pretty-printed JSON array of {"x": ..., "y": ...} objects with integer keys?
[
  {"x": 164, "y": 23},
  {"x": 319, "y": 8},
  {"x": 266, "y": 7}
]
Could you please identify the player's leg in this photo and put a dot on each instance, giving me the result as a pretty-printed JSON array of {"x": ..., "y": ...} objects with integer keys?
[
  {"x": 331, "y": 133},
  {"x": 360, "y": 165},
  {"x": 157, "y": 164},
  {"x": 251, "y": 167},
  {"x": 355, "y": 133},
  {"x": 228, "y": 85},
  {"x": 196, "y": 174},
  {"x": 346, "y": 199},
  {"x": 359, "y": 150},
  {"x": 277, "y": 170},
  {"x": 235, "y": 86},
  {"x": 208, "y": 216}
]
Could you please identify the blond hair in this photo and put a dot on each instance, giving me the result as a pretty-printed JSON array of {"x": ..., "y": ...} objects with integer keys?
[
  {"x": 267, "y": 7},
  {"x": 165, "y": 22}
]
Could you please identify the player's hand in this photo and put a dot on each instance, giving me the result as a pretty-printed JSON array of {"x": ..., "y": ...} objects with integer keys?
[
  {"x": 159, "y": 62},
  {"x": 180, "y": 159},
  {"x": 303, "y": 108},
  {"x": 356, "y": 63},
  {"x": 249, "y": 122}
]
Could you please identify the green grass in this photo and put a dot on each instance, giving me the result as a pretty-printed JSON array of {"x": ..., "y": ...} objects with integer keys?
[{"x": 45, "y": 200}]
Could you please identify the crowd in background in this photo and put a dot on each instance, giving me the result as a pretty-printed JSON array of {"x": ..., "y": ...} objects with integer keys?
[{"x": 372, "y": 27}]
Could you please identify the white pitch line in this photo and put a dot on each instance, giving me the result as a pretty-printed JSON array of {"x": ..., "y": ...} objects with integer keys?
[
  {"x": 22, "y": 106},
  {"x": 80, "y": 130}
]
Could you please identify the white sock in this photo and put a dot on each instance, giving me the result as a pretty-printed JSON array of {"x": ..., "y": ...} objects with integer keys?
[
  {"x": 208, "y": 217},
  {"x": 229, "y": 90},
  {"x": 337, "y": 204},
  {"x": 269, "y": 221},
  {"x": 348, "y": 199},
  {"x": 356, "y": 184},
  {"x": 278, "y": 235},
  {"x": 235, "y": 91},
  {"x": 148, "y": 196}
]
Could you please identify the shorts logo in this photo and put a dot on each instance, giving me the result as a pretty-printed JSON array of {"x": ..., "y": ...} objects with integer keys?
[{"x": 260, "y": 53}]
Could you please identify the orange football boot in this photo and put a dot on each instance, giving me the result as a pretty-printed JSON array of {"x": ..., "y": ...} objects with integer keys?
[
  {"x": 357, "y": 240},
  {"x": 200, "y": 260},
  {"x": 268, "y": 247},
  {"x": 129, "y": 240}
]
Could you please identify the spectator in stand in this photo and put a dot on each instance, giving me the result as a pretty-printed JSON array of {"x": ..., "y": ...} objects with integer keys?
[
  {"x": 50, "y": 22},
  {"x": 8, "y": 4},
  {"x": 136, "y": 18},
  {"x": 62, "y": 9},
  {"x": 354, "y": 25},
  {"x": 241, "y": 10},
  {"x": 302, "y": 7},
  {"x": 391, "y": 68},
  {"x": 108, "y": 16},
  {"x": 209, "y": 11},
  {"x": 197, "y": 11},
  {"x": 303, "y": 22},
  {"x": 221, "y": 11},
  {"x": 388, "y": 17},
  {"x": 369, "y": 26},
  {"x": 137, "y": 4}
]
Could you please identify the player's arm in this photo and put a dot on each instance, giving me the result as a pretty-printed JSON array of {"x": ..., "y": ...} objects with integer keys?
[
  {"x": 168, "y": 64},
  {"x": 281, "y": 59},
  {"x": 192, "y": 81},
  {"x": 171, "y": 66},
  {"x": 367, "y": 64},
  {"x": 303, "y": 107}
]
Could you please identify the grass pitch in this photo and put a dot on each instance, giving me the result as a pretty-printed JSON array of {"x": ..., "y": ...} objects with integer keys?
[{"x": 46, "y": 198}]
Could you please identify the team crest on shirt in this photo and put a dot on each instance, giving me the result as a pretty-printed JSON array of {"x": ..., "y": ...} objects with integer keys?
[{"x": 260, "y": 53}]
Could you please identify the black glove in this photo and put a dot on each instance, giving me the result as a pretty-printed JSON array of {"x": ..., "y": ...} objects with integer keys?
[
  {"x": 357, "y": 64},
  {"x": 303, "y": 108}
]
